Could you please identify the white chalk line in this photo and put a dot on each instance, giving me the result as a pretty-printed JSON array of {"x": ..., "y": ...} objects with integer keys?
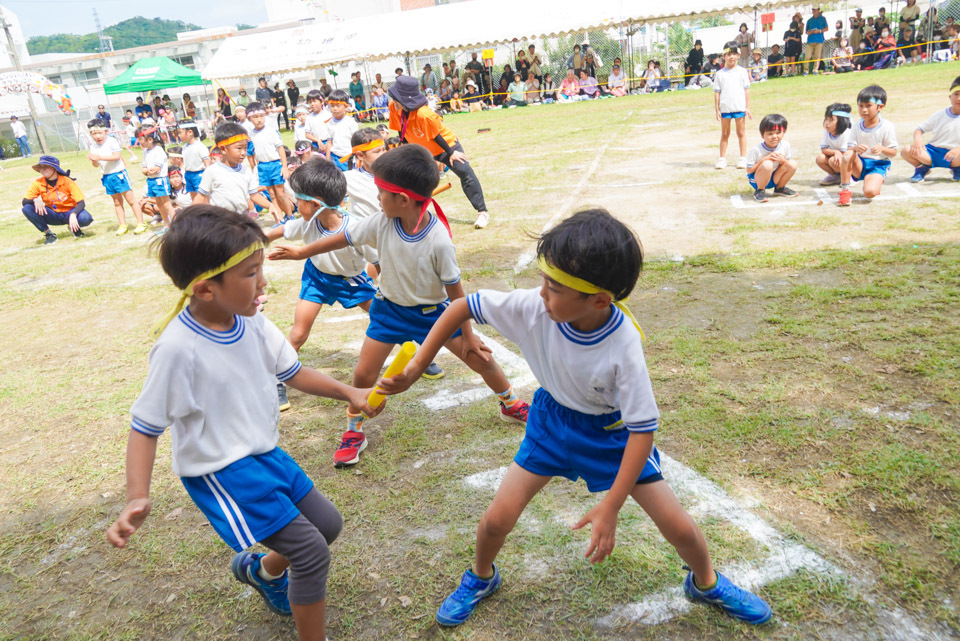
[
  {"x": 344, "y": 319},
  {"x": 910, "y": 192}
]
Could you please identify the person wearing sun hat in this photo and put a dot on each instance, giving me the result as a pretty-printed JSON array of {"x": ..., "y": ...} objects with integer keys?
[
  {"x": 420, "y": 125},
  {"x": 55, "y": 199}
]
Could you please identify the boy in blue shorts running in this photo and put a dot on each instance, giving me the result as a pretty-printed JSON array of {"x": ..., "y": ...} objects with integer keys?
[
  {"x": 875, "y": 143},
  {"x": 943, "y": 150},
  {"x": 196, "y": 156},
  {"x": 419, "y": 277},
  {"x": 594, "y": 415},
  {"x": 224, "y": 426},
  {"x": 271, "y": 158},
  {"x": 105, "y": 153}
]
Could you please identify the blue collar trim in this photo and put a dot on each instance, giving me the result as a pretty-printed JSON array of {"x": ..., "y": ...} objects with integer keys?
[
  {"x": 597, "y": 335},
  {"x": 420, "y": 235},
  {"x": 224, "y": 338}
]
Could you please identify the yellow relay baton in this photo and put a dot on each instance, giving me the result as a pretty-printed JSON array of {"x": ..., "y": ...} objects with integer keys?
[{"x": 407, "y": 350}]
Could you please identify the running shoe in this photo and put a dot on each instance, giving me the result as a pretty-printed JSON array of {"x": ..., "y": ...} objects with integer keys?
[
  {"x": 351, "y": 444},
  {"x": 919, "y": 174},
  {"x": 742, "y": 163},
  {"x": 122, "y": 229},
  {"x": 282, "y": 395},
  {"x": 786, "y": 192},
  {"x": 433, "y": 372},
  {"x": 49, "y": 238},
  {"x": 739, "y": 603},
  {"x": 246, "y": 569},
  {"x": 516, "y": 413},
  {"x": 139, "y": 229},
  {"x": 760, "y": 196},
  {"x": 845, "y": 197},
  {"x": 458, "y": 607},
  {"x": 483, "y": 219},
  {"x": 721, "y": 163},
  {"x": 830, "y": 179}
]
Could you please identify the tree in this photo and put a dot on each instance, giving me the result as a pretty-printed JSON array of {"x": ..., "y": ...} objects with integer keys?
[{"x": 135, "y": 32}]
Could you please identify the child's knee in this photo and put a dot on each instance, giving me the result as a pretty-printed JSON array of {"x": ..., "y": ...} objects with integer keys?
[
  {"x": 298, "y": 336},
  {"x": 766, "y": 165},
  {"x": 496, "y": 524},
  {"x": 681, "y": 531},
  {"x": 791, "y": 164}
]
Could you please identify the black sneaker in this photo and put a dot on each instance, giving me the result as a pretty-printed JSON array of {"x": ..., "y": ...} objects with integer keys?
[
  {"x": 282, "y": 395},
  {"x": 50, "y": 238},
  {"x": 786, "y": 192},
  {"x": 433, "y": 372},
  {"x": 760, "y": 196},
  {"x": 78, "y": 234}
]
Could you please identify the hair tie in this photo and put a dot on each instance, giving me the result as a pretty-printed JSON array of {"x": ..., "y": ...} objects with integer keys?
[{"x": 841, "y": 114}]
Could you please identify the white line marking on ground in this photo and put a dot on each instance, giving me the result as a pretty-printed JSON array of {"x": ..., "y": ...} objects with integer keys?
[
  {"x": 909, "y": 189},
  {"x": 823, "y": 195},
  {"x": 343, "y": 319},
  {"x": 737, "y": 201}
]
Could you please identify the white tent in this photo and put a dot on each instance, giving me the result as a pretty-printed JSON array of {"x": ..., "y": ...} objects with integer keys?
[{"x": 460, "y": 25}]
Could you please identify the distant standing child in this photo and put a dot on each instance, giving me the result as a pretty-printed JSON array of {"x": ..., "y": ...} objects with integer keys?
[
  {"x": 300, "y": 124},
  {"x": 130, "y": 124},
  {"x": 731, "y": 90},
  {"x": 210, "y": 382},
  {"x": 339, "y": 129},
  {"x": 875, "y": 143},
  {"x": 196, "y": 156},
  {"x": 593, "y": 417},
  {"x": 271, "y": 158},
  {"x": 105, "y": 153},
  {"x": 769, "y": 165},
  {"x": 316, "y": 119},
  {"x": 837, "y": 139},
  {"x": 943, "y": 150},
  {"x": 419, "y": 277},
  {"x": 155, "y": 170}
]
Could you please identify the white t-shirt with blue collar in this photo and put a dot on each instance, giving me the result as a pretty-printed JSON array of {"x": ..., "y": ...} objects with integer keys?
[
  {"x": 229, "y": 187},
  {"x": 882, "y": 134},
  {"x": 944, "y": 129},
  {"x": 347, "y": 262},
  {"x": 761, "y": 150}
]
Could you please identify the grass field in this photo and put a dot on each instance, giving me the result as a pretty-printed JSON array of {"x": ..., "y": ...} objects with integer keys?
[{"x": 806, "y": 360}]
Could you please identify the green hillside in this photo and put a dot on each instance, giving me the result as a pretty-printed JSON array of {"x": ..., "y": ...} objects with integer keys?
[{"x": 135, "y": 32}]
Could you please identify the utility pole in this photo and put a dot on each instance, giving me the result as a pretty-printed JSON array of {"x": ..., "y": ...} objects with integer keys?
[{"x": 16, "y": 62}]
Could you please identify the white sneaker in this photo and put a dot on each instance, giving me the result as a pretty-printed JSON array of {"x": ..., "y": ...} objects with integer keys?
[
  {"x": 721, "y": 164},
  {"x": 483, "y": 219},
  {"x": 742, "y": 163}
]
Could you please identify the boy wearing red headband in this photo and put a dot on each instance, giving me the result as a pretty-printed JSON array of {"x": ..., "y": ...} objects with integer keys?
[
  {"x": 595, "y": 414},
  {"x": 419, "y": 277},
  {"x": 339, "y": 129}
]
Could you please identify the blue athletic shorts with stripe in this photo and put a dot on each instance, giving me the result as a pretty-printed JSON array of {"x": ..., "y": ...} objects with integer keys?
[
  {"x": 753, "y": 181},
  {"x": 191, "y": 180},
  {"x": 252, "y": 498},
  {"x": 335, "y": 159},
  {"x": 116, "y": 183},
  {"x": 938, "y": 156},
  {"x": 270, "y": 173},
  {"x": 734, "y": 115},
  {"x": 326, "y": 289},
  {"x": 871, "y": 166},
  {"x": 250, "y": 148},
  {"x": 159, "y": 186},
  {"x": 560, "y": 441},
  {"x": 392, "y": 323}
]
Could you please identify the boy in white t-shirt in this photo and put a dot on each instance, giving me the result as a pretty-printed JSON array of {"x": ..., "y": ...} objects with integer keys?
[
  {"x": 300, "y": 124},
  {"x": 271, "y": 158},
  {"x": 316, "y": 119},
  {"x": 875, "y": 143},
  {"x": 943, "y": 150},
  {"x": 339, "y": 129},
  {"x": 769, "y": 165},
  {"x": 105, "y": 153},
  {"x": 155, "y": 170},
  {"x": 196, "y": 156},
  {"x": 224, "y": 426},
  {"x": 419, "y": 276},
  {"x": 594, "y": 415},
  {"x": 230, "y": 183},
  {"x": 731, "y": 91},
  {"x": 837, "y": 139}
]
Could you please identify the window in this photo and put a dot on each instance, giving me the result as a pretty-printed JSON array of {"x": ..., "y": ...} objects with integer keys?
[
  {"x": 88, "y": 77},
  {"x": 186, "y": 61},
  {"x": 55, "y": 80}
]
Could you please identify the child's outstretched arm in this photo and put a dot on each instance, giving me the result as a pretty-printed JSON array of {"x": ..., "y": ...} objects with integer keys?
[
  {"x": 603, "y": 516},
  {"x": 141, "y": 453},
  {"x": 321, "y": 246},
  {"x": 266, "y": 204},
  {"x": 471, "y": 343},
  {"x": 313, "y": 382}
]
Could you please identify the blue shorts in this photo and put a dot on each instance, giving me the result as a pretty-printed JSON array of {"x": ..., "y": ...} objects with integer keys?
[
  {"x": 159, "y": 186},
  {"x": 116, "y": 183},
  {"x": 335, "y": 159},
  {"x": 250, "y": 148},
  {"x": 191, "y": 179},
  {"x": 560, "y": 441},
  {"x": 938, "y": 156},
  {"x": 871, "y": 166},
  {"x": 270, "y": 173},
  {"x": 326, "y": 289},
  {"x": 734, "y": 114},
  {"x": 252, "y": 498},
  {"x": 133, "y": 141},
  {"x": 396, "y": 324},
  {"x": 753, "y": 183}
]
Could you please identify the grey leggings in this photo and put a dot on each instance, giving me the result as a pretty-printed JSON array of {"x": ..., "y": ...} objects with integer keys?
[{"x": 305, "y": 542}]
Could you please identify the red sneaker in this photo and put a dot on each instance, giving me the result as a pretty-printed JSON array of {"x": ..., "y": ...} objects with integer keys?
[
  {"x": 516, "y": 413},
  {"x": 351, "y": 444},
  {"x": 845, "y": 197}
]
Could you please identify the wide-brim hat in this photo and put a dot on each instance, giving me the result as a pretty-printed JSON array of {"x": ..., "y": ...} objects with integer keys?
[
  {"x": 406, "y": 91},
  {"x": 50, "y": 161}
]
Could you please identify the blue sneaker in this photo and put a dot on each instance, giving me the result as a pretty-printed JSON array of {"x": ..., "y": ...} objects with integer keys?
[
  {"x": 919, "y": 174},
  {"x": 956, "y": 173},
  {"x": 739, "y": 603},
  {"x": 458, "y": 607},
  {"x": 246, "y": 567}
]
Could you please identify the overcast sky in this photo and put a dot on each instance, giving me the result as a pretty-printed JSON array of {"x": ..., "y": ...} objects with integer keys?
[{"x": 46, "y": 17}]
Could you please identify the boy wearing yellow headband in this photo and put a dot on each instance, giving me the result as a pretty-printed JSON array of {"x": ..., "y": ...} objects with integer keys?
[
  {"x": 594, "y": 415},
  {"x": 224, "y": 426},
  {"x": 943, "y": 150}
]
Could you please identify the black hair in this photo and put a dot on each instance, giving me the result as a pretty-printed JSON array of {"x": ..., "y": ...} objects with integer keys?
[
  {"x": 408, "y": 166},
  {"x": 398, "y": 70},
  {"x": 341, "y": 95},
  {"x": 731, "y": 45},
  {"x": 363, "y": 136},
  {"x": 843, "y": 122},
  {"x": 596, "y": 247},
  {"x": 255, "y": 106},
  {"x": 151, "y": 131},
  {"x": 874, "y": 92},
  {"x": 771, "y": 122},
  {"x": 392, "y": 143},
  {"x": 742, "y": 25},
  {"x": 955, "y": 83},
  {"x": 175, "y": 150},
  {"x": 228, "y": 130},
  {"x": 302, "y": 144},
  {"x": 203, "y": 237},
  {"x": 98, "y": 122},
  {"x": 314, "y": 94},
  {"x": 321, "y": 179}
]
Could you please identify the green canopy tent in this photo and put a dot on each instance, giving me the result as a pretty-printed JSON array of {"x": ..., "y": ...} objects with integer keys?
[{"x": 154, "y": 73}]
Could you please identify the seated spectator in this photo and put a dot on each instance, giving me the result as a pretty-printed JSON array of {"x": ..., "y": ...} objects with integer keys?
[
  {"x": 843, "y": 57},
  {"x": 570, "y": 87},
  {"x": 663, "y": 84},
  {"x": 906, "y": 52},
  {"x": 591, "y": 63},
  {"x": 693, "y": 63},
  {"x": 863, "y": 57},
  {"x": 507, "y": 74},
  {"x": 775, "y": 62},
  {"x": 588, "y": 85},
  {"x": 886, "y": 50},
  {"x": 457, "y": 105},
  {"x": 501, "y": 95},
  {"x": 472, "y": 98},
  {"x": 548, "y": 92},
  {"x": 381, "y": 109},
  {"x": 757, "y": 67},
  {"x": 517, "y": 91},
  {"x": 446, "y": 93},
  {"x": 532, "y": 87},
  {"x": 616, "y": 83},
  {"x": 650, "y": 78}
]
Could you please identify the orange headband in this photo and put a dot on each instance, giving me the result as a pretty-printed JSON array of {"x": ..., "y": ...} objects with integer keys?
[
  {"x": 367, "y": 146},
  {"x": 232, "y": 139},
  {"x": 424, "y": 201},
  {"x": 336, "y": 102}
]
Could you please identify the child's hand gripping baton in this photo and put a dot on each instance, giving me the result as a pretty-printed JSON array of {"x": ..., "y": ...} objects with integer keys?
[{"x": 407, "y": 350}]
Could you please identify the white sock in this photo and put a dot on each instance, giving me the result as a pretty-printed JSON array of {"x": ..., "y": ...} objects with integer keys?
[{"x": 266, "y": 576}]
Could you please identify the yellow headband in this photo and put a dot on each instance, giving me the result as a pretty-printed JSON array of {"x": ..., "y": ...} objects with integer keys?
[
  {"x": 187, "y": 292},
  {"x": 232, "y": 139},
  {"x": 584, "y": 287}
]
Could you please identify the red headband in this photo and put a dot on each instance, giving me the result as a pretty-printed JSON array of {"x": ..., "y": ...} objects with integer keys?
[{"x": 395, "y": 189}]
